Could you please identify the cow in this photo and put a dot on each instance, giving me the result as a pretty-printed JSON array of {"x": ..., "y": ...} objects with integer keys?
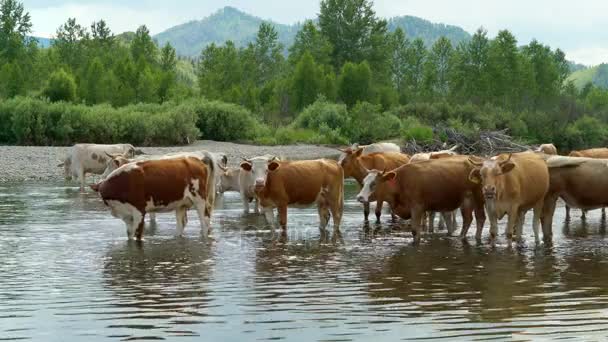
[
  {"x": 302, "y": 183},
  {"x": 252, "y": 170},
  {"x": 229, "y": 180},
  {"x": 369, "y": 149},
  {"x": 549, "y": 149},
  {"x": 436, "y": 155},
  {"x": 163, "y": 185},
  {"x": 434, "y": 185},
  {"x": 512, "y": 185},
  {"x": 598, "y": 153},
  {"x": 580, "y": 182},
  {"x": 357, "y": 165},
  {"x": 92, "y": 158}
]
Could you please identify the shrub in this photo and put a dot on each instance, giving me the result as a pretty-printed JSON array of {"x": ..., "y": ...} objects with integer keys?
[
  {"x": 368, "y": 124},
  {"x": 61, "y": 87},
  {"x": 224, "y": 121},
  {"x": 321, "y": 113},
  {"x": 413, "y": 129}
]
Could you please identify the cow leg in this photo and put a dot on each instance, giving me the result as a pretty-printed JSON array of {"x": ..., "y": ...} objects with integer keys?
[
  {"x": 201, "y": 210},
  {"x": 282, "y": 216},
  {"x": 269, "y": 215},
  {"x": 449, "y": 223},
  {"x": 519, "y": 226},
  {"x": 256, "y": 209},
  {"x": 567, "y": 213},
  {"x": 538, "y": 212},
  {"x": 467, "y": 219},
  {"x": 603, "y": 214},
  {"x": 180, "y": 219},
  {"x": 130, "y": 229},
  {"x": 431, "y": 221},
  {"x": 245, "y": 203},
  {"x": 366, "y": 211},
  {"x": 584, "y": 214},
  {"x": 336, "y": 207},
  {"x": 547, "y": 216},
  {"x": 81, "y": 179},
  {"x": 139, "y": 228},
  {"x": 417, "y": 217},
  {"x": 323, "y": 217},
  {"x": 152, "y": 218},
  {"x": 379, "y": 205},
  {"x": 511, "y": 223}
]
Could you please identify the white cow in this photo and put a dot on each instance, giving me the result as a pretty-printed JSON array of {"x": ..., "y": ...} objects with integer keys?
[
  {"x": 92, "y": 158},
  {"x": 229, "y": 180},
  {"x": 372, "y": 148},
  {"x": 252, "y": 170}
]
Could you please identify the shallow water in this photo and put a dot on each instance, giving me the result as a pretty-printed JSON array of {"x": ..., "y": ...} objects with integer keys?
[{"x": 67, "y": 273}]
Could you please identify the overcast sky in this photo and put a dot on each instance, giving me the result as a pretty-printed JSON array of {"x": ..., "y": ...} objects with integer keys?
[{"x": 580, "y": 28}]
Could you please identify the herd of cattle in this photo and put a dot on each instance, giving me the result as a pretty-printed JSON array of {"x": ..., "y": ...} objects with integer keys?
[{"x": 415, "y": 187}]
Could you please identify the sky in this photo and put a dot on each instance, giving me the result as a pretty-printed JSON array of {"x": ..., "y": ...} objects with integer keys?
[{"x": 580, "y": 28}]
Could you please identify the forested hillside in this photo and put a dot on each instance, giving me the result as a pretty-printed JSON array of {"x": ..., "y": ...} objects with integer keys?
[
  {"x": 597, "y": 75},
  {"x": 241, "y": 28},
  {"x": 346, "y": 78}
]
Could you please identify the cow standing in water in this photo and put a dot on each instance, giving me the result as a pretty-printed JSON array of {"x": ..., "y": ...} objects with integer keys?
[
  {"x": 92, "y": 158},
  {"x": 357, "y": 165},
  {"x": 440, "y": 185},
  {"x": 176, "y": 184},
  {"x": 252, "y": 170},
  {"x": 597, "y": 153},
  {"x": 512, "y": 185},
  {"x": 302, "y": 183}
]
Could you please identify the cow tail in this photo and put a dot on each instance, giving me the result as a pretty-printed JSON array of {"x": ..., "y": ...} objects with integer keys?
[{"x": 209, "y": 160}]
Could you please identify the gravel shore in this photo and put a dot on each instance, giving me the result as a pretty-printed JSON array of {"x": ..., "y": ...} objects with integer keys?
[{"x": 21, "y": 163}]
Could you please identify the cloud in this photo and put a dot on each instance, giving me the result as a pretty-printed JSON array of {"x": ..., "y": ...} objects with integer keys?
[{"x": 589, "y": 56}]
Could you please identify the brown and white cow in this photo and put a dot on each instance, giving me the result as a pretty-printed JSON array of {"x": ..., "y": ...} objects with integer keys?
[
  {"x": 549, "y": 149},
  {"x": 176, "y": 184},
  {"x": 512, "y": 185},
  {"x": 302, "y": 183},
  {"x": 357, "y": 165},
  {"x": 581, "y": 182},
  {"x": 440, "y": 185},
  {"x": 92, "y": 158}
]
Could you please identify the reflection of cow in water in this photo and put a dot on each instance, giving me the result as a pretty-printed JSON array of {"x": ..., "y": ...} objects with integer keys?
[{"x": 160, "y": 281}]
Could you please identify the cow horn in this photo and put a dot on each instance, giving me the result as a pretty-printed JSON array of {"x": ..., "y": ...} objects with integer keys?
[
  {"x": 475, "y": 162},
  {"x": 112, "y": 156},
  {"x": 506, "y": 161},
  {"x": 222, "y": 167}
]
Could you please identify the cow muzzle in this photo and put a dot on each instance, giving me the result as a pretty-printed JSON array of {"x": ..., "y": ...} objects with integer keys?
[
  {"x": 489, "y": 192},
  {"x": 260, "y": 183}
]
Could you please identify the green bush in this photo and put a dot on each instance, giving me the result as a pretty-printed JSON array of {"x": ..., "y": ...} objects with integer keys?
[
  {"x": 29, "y": 121},
  {"x": 321, "y": 112},
  {"x": 414, "y": 130},
  {"x": 369, "y": 124},
  {"x": 224, "y": 121},
  {"x": 61, "y": 87}
]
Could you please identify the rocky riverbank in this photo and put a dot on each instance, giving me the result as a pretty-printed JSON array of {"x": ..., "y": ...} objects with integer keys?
[{"x": 22, "y": 163}]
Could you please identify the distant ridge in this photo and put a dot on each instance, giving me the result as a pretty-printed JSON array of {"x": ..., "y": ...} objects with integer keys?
[{"x": 229, "y": 23}]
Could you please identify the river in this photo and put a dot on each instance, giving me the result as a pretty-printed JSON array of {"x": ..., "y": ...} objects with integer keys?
[{"x": 68, "y": 273}]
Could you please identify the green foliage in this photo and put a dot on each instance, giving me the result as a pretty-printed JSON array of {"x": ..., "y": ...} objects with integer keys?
[
  {"x": 322, "y": 112},
  {"x": 355, "y": 83},
  {"x": 29, "y": 121},
  {"x": 369, "y": 124},
  {"x": 61, "y": 87},
  {"x": 414, "y": 130},
  {"x": 223, "y": 121},
  {"x": 307, "y": 81}
]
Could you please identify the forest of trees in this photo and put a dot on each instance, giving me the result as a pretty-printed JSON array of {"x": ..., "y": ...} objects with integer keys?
[{"x": 346, "y": 78}]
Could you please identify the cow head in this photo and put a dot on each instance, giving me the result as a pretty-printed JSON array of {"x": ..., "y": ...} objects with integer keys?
[
  {"x": 488, "y": 173},
  {"x": 257, "y": 169},
  {"x": 114, "y": 162},
  {"x": 348, "y": 160},
  {"x": 373, "y": 182},
  {"x": 67, "y": 168}
]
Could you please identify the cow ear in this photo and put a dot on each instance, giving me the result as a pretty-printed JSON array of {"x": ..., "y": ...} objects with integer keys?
[
  {"x": 507, "y": 167},
  {"x": 116, "y": 162},
  {"x": 389, "y": 176},
  {"x": 475, "y": 176},
  {"x": 358, "y": 152},
  {"x": 273, "y": 166},
  {"x": 246, "y": 166}
]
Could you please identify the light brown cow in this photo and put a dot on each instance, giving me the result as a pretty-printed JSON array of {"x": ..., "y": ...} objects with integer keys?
[
  {"x": 435, "y": 185},
  {"x": 549, "y": 149},
  {"x": 581, "y": 182},
  {"x": 357, "y": 165},
  {"x": 177, "y": 184},
  {"x": 600, "y": 153},
  {"x": 302, "y": 183},
  {"x": 512, "y": 185}
]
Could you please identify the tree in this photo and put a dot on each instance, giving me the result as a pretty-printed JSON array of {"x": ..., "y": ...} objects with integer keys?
[
  {"x": 469, "y": 72},
  {"x": 15, "y": 27},
  {"x": 143, "y": 47},
  {"x": 351, "y": 27},
  {"x": 438, "y": 67},
  {"x": 310, "y": 39},
  {"x": 398, "y": 60},
  {"x": 504, "y": 70},
  {"x": 70, "y": 43},
  {"x": 415, "y": 59},
  {"x": 168, "y": 66},
  {"x": 12, "y": 80},
  {"x": 61, "y": 87},
  {"x": 307, "y": 82},
  {"x": 220, "y": 71},
  {"x": 93, "y": 92},
  {"x": 268, "y": 53},
  {"x": 355, "y": 83}
]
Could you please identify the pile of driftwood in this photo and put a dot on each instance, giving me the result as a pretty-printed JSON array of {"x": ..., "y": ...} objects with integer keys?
[{"x": 483, "y": 143}]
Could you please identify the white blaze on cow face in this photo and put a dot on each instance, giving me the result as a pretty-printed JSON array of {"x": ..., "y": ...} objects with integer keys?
[
  {"x": 369, "y": 186},
  {"x": 257, "y": 168}
]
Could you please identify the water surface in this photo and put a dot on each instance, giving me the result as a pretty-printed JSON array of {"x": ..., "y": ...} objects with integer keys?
[{"x": 67, "y": 273}]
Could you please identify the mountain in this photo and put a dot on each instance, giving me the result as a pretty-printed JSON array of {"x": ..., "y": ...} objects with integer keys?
[
  {"x": 598, "y": 75},
  {"x": 229, "y": 23},
  {"x": 43, "y": 42},
  {"x": 429, "y": 32}
]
